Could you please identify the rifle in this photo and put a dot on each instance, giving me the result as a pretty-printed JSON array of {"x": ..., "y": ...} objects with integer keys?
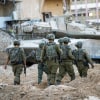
[{"x": 25, "y": 70}]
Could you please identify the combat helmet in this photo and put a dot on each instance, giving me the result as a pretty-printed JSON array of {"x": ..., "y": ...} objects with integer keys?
[
  {"x": 78, "y": 44},
  {"x": 50, "y": 36},
  {"x": 41, "y": 44},
  {"x": 60, "y": 40},
  {"x": 16, "y": 42},
  {"x": 66, "y": 40}
]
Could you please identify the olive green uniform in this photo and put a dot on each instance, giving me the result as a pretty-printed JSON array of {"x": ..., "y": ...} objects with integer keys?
[
  {"x": 41, "y": 65},
  {"x": 18, "y": 66},
  {"x": 66, "y": 66},
  {"x": 82, "y": 65},
  {"x": 52, "y": 62},
  {"x": 82, "y": 59}
]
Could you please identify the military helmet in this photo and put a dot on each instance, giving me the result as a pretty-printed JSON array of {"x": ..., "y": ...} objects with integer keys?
[
  {"x": 50, "y": 36},
  {"x": 60, "y": 40},
  {"x": 66, "y": 40},
  {"x": 41, "y": 44},
  {"x": 16, "y": 42},
  {"x": 78, "y": 44}
]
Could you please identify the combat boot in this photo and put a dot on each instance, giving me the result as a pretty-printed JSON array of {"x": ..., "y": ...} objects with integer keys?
[{"x": 16, "y": 83}]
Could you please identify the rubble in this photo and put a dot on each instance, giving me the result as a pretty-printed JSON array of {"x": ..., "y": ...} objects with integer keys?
[
  {"x": 5, "y": 40},
  {"x": 78, "y": 89}
]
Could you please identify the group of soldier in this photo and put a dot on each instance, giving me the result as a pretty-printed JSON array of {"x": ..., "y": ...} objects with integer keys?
[{"x": 51, "y": 58}]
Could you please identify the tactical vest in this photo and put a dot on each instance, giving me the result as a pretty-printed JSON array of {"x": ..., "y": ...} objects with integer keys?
[
  {"x": 51, "y": 50},
  {"x": 65, "y": 50},
  {"x": 79, "y": 54},
  {"x": 38, "y": 54},
  {"x": 15, "y": 55}
]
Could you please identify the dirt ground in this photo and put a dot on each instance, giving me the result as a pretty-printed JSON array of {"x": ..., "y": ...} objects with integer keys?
[{"x": 79, "y": 89}]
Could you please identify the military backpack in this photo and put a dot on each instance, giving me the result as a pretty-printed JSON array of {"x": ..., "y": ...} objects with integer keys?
[
  {"x": 79, "y": 54},
  {"x": 15, "y": 55},
  {"x": 65, "y": 50},
  {"x": 51, "y": 50}
]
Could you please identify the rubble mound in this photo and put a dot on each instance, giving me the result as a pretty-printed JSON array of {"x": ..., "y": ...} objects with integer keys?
[
  {"x": 78, "y": 89},
  {"x": 5, "y": 41}
]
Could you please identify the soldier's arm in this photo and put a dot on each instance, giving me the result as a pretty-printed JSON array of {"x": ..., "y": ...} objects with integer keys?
[
  {"x": 59, "y": 51},
  {"x": 71, "y": 55},
  {"x": 23, "y": 57},
  {"x": 89, "y": 59},
  {"x": 43, "y": 53}
]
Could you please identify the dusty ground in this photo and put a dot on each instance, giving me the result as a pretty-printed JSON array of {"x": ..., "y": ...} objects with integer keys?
[{"x": 79, "y": 89}]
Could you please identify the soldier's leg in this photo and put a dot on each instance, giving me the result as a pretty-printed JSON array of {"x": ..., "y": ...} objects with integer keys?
[
  {"x": 18, "y": 73},
  {"x": 14, "y": 70},
  {"x": 61, "y": 73},
  {"x": 46, "y": 70},
  {"x": 53, "y": 73},
  {"x": 70, "y": 70},
  {"x": 84, "y": 71},
  {"x": 80, "y": 67},
  {"x": 40, "y": 72},
  {"x": 49, "y": 66}
]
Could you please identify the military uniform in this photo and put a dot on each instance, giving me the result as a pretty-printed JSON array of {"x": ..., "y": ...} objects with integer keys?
[
  {"x": 17, "y": 65},
  {"x": 42, "y": 67},
  {"x": 66, "y": 62},
  {"x": 82, "y": 59},
  {"x": 51, "y": 52}
]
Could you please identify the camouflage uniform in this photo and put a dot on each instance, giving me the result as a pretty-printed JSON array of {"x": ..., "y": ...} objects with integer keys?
[
  {"x": 66, "y": 62},
  {"x": 20, "y": 59},
  {"x": 60, "y": 46},
  {"x": 41, "y": 65},
  {"x": 51, "y": 52},
  {"x": 82, "y": 59}
]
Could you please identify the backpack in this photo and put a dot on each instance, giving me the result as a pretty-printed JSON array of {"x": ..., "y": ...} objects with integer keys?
[
  {"x": 79, "y": 54},
  {"x": 15, "y": 55},
  {"x": 51, "y": 50},
  {"x": 65, "y": 50}
]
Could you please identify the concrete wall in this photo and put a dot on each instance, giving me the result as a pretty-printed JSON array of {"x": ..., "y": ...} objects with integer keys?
[
  {"x": 6, "y": 10},
  {"x": 28, "y": 9},
  {"x": 54, "y": 6}
]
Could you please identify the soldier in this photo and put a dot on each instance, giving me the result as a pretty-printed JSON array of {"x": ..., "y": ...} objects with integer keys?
[
  {"x": 66, "y": 62},
  {"x": 60, "y": 42},
  {"x": 17, "y": 59},
  {"x": 51, "y": 51},
  {"x": 60, "y": 45},
  {"x": 82, "y": 59},
  {"x": 41, "y": 65}
]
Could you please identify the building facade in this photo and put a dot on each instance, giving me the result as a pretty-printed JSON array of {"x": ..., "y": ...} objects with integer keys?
[
  {"x": 85, "y": 9},
  {"x": 30, "y": 9}
]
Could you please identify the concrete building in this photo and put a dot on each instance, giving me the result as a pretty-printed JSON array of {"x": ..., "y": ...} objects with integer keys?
[
  {"x": 85, "y": 9},
  {"x": 29, "y": 9}
]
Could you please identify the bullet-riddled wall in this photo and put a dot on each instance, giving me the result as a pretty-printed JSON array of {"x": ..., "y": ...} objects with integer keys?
[{"x": 53, "y": 6}]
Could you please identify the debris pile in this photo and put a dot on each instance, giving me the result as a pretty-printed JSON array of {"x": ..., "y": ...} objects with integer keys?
[{"x": 78, "y": 89}]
